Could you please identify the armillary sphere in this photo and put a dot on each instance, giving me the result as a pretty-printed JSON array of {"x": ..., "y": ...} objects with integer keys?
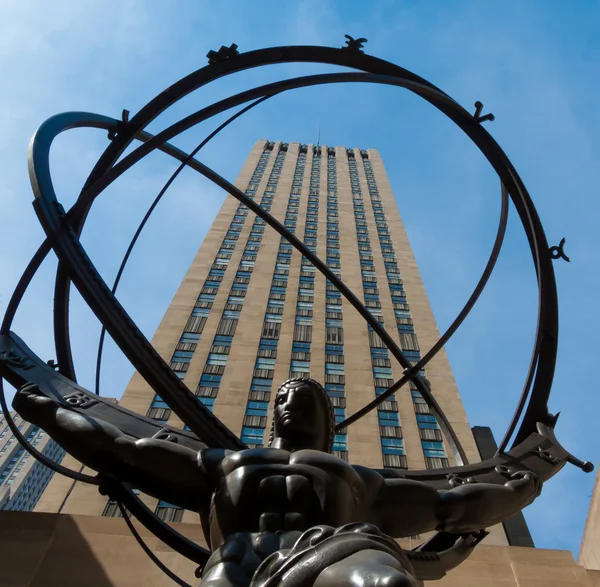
[{"x": 534, "y": 445}]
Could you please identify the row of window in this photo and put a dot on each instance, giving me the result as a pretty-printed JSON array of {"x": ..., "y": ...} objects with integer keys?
[
  {"x": 300, "y": 358},
  {"x": 390, "y": 431},
  {"x": 215, "y": 365},
  {"x": 214, "y": 368},
  {"x": 335, "y": 376},
  {"x": 255, "y": 417},
  {"x": 430, "y": 433}
]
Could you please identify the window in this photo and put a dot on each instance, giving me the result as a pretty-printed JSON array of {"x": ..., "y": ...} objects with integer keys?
[
  {"x": 271, "y": 317},
  {"x": 206, "y": 298},
  {"x": 226, "y": 326},
  {"x": 303, "y": 332},
  {"x": 382, "y": 372},
  {"x": 223, "y": 340},
  {"x": 340, "y": 414},
  {"x": 300, "y": 347},
  {"x": 208, "y": 380},
  {"x": 271, "y": 330},
  {"x": 334, "y": 349},
  {"x": 340, "y": 442},
  {"x": 303, "y": 319},
  {"x": 168, "y": 513},
  {"x": 388, "y": 418},
  {"x": 257, "y": 408},
  {"x": 217, "y": 359},
  {"x": 182, "y": 356},
  {"x": 208, "y": 402},
  {"x": 234, "y": 299},
  {"x": 300, "y": 366},
  {"x": 266, "y": 343},
  {"x": 264, "y": 363},
  {"x": 334, "y": 368},
  {"x": 412, "y": 355},
  {"x": 432, "y": 444},
  {"x": 405, "y": 328},
  {"x": 261, "y": 384},
  {"x": 252, "y": 435},
  {"x": 392, "y": 446},
  {"x": 188, "y": 338}
]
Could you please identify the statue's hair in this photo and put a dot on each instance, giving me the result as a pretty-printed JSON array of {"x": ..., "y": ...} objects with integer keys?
[{"x": 297, "y": 382}]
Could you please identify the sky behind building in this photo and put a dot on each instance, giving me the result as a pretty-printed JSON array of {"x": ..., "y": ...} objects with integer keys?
[{"x": 533, "y": 64}]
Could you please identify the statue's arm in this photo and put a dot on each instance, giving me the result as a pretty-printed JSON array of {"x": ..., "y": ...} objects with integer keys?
[
  {"x": 157, "y": 467},
  {"x": 403, "y": 507},
  {"x": 474, "y": 506}
]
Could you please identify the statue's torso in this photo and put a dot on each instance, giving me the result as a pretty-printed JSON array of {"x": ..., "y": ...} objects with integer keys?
[{"x": 273, "y": 490}]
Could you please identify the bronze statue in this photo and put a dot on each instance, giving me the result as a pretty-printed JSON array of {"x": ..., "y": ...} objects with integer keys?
[{"x": 291, "y": 514}]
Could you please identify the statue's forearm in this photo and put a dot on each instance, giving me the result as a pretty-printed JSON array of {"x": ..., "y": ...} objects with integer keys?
[
  {"x": 471, "y": 507},
  {"x": 405, "y": 507},
  {"x": 157, "y": 467}
]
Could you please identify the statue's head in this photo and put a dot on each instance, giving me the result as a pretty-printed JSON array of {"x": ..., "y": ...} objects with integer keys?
[{"x": 303, "y": 417}]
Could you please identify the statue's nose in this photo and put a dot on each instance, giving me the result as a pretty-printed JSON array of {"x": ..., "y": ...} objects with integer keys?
[{"x": 291, "y": 399}]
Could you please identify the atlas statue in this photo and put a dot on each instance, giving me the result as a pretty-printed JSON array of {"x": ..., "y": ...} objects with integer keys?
[{"x": 290, "y": 514}]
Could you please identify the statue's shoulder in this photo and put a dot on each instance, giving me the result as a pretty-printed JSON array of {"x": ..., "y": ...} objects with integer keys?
[
  {"x": 372, "y": 479},
  {"x": 210, "y": 460}
]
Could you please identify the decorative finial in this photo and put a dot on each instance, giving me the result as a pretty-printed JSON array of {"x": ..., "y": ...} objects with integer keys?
[
  {"x": 477, "y": 115},
  {"x": 355, "y": 44},
  {"x": 557, "y": 252},
  {"x": 222, "y": 54}
]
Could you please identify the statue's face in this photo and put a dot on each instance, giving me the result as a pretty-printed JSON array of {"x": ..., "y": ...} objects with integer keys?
[{"x": 300, "y": 415}]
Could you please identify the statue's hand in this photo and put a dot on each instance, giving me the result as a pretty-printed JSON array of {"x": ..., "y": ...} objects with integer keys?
[
  {"x": 525, "y": 483},
  {"x": 31, "y": 404}
]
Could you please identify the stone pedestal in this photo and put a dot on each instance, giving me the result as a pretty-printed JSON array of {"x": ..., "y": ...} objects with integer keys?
[{"x": 46, "y": 550}]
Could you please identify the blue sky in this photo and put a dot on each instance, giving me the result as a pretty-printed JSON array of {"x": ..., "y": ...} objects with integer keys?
[{"x": 534, "y": 64}]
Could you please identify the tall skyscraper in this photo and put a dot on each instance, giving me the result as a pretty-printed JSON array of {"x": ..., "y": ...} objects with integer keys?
[
  {"x": 22, "y": 478},
  {"x": 252, "y": 312}
]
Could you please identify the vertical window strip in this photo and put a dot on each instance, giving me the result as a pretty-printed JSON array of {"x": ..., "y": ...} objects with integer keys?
[
  {"x": 188, "y": 342},
  {"x": 302, "y": 337},
  {"x": 335, "y": 377},
  {"x": 429, "y": 431},
  {"x": 390, "y": 431},
  {"x": 214, "y": 368},
  {"x": 259, "y": 396}
]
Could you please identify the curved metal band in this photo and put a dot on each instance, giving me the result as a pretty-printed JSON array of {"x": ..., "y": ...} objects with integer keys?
[
  {"x": 386, "y": 341},
  {"x": 548, "y": 315}
]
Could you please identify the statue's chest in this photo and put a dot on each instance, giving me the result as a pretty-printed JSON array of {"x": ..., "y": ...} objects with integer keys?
[{"x": 280, "y": 493}]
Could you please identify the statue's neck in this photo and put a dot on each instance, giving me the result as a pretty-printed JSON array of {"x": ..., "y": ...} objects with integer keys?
[
  {"x": 299, "y": 443},
  {"x": 283, "y": 444}
]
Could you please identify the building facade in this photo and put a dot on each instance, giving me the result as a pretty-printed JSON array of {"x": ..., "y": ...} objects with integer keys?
[
  {"x": 252, "y": 312},
  {"x": 22, "y": 478}
]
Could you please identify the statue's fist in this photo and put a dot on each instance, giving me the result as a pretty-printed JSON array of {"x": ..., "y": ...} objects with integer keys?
[
  {"x": 527, "y": 483},
  {"x": 29, "y": 402}
]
